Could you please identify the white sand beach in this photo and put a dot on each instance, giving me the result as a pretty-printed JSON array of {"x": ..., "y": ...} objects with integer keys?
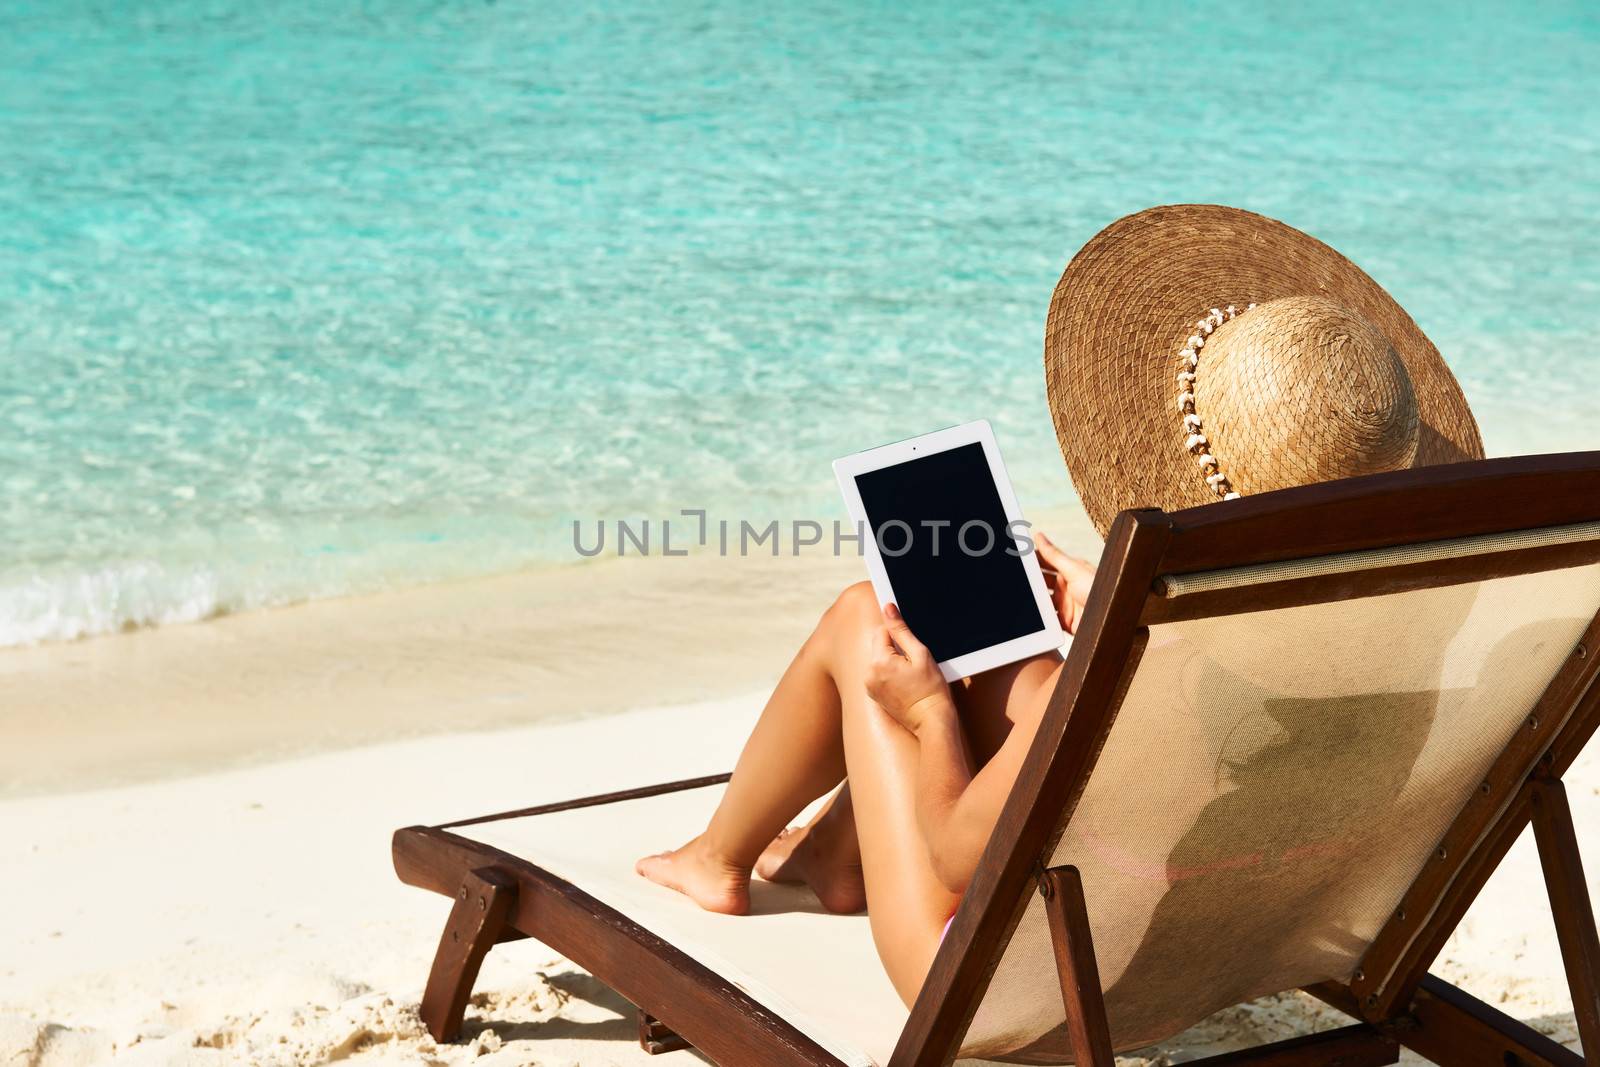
[{"x": 252, "y": 916}]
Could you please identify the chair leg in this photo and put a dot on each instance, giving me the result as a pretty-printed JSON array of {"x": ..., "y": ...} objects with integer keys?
[
  {"x": 1087, "y": 1025},
  {"x": 656, "y": 1037},
  {"x": 1446, "y": 1025},
  {"x": 1569, "y": 904},
  {"x": 476, "y": 922},
  {"x": 1450, "y": 1026},
  {"x": 1362, "y": 1045}
]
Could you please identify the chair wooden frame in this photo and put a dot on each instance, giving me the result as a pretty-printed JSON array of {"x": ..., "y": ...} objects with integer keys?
[{"x": 1392, "y": 998}]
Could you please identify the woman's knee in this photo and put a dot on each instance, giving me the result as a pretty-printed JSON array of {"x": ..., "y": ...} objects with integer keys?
[
  {"x": 853, "y": 613},
  {"x": 854, "y": 608}
]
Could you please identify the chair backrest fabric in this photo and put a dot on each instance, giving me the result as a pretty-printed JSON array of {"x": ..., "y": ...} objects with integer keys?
[{"x": 1273, "y": 784}]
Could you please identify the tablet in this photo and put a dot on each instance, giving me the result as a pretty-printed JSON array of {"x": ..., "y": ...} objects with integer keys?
[{"x": 944, "y": 539}]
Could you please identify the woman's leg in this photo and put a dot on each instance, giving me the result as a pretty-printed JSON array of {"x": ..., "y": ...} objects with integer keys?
[
  {"x": 907, "y": 904},
  {"x": 795, "y": 754},
  {"x": 826, "y": 853},
  {"x": 991, "y": 703}
]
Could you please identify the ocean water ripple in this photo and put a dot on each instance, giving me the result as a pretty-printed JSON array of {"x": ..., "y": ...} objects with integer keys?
[{"x": 298, "y": 301}]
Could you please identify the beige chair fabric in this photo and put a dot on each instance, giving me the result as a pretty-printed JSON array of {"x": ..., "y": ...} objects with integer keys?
[
  {"x": 818, "y": 971},
  {"x": 1272, "y": 785}
]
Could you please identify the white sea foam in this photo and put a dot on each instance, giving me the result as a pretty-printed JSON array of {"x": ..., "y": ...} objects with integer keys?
[
  {"x": 201, "y": 578},
  {"x": 71, "y": 604}
]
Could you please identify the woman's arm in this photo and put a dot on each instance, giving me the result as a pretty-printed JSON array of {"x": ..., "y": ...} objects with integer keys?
[{"x": 957, "y": 809}]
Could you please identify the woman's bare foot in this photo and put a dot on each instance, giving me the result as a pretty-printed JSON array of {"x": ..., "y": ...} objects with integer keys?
[
  {"x": 694, "y": 871},
  {"x": 801, "y": 855}
]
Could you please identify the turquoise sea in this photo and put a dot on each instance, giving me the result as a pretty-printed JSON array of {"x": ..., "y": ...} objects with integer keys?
[{"x": 299, "y": 299}]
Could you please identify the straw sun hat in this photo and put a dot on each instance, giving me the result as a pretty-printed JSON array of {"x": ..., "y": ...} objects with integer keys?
[{"x": 1195, "y": 352}]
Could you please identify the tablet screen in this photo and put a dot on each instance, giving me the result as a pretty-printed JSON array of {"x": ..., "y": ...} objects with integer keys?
[{"x": 958, "y": 593}]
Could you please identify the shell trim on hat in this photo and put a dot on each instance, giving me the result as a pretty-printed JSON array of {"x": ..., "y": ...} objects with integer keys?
[{"x": 1189, "y": 362}]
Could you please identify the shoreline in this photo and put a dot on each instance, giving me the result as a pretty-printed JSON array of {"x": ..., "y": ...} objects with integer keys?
[{"x": 546, "y": 645}]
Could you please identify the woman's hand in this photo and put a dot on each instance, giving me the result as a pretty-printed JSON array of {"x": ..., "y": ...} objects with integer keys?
[
  {"x": 903, "y": 677},
  {"x": 1069, "y": 579}
]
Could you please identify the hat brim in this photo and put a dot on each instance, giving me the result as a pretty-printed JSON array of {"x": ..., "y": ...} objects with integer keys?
[{"x": 1131, "y": 296}]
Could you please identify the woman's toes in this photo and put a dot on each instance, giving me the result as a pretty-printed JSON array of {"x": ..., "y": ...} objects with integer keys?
[{"x": 651, "y": 866}]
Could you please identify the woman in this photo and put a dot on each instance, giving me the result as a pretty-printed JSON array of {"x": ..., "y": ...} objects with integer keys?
[
  {"x": 927, "y": 767},
  {"x": 1320, "y": 376}
]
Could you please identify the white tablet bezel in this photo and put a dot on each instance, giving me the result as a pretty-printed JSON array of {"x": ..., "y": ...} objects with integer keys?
[{"x": 1045, "y": 639}]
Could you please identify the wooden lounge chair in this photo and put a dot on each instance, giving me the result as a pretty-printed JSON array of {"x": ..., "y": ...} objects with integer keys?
[{"x": 1295, "y": 735}]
